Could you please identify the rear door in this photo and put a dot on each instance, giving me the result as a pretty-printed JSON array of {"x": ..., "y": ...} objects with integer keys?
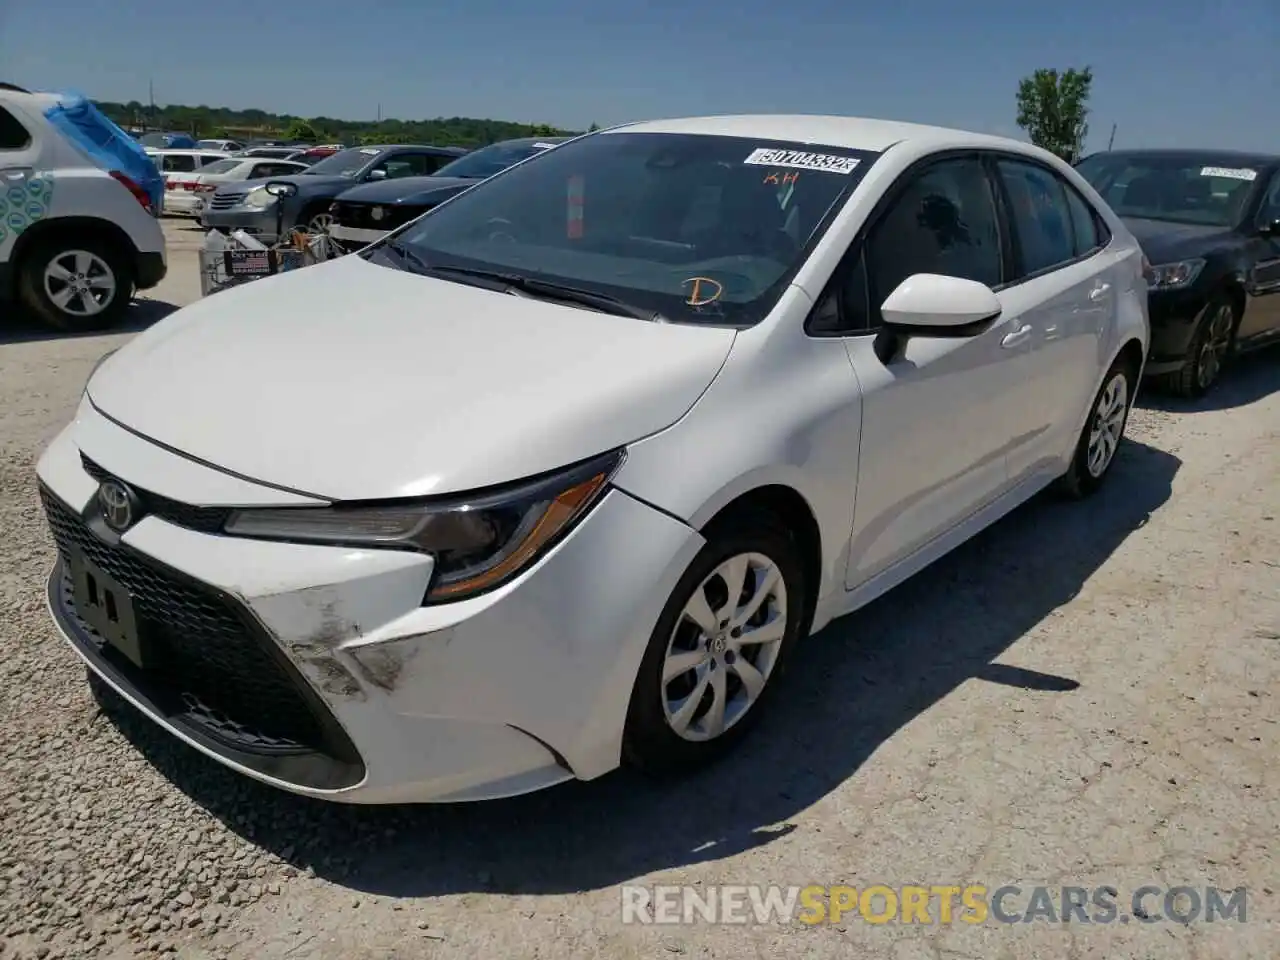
[
  {"x": 1064, "y": 291},
  {"x": 23, "y": 195}
]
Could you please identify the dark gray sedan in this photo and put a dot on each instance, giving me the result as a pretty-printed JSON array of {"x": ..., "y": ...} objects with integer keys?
[{"x": 302, "y": 200}]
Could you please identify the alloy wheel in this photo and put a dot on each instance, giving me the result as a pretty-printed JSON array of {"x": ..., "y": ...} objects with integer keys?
[
  {"x": 1108, "y": 424},
  {"x": 79, "y": 283},
  {"x": 724, "y": 647},
  {"x": 320, "y": 223},
  {"x": 1214, "y": 347}
]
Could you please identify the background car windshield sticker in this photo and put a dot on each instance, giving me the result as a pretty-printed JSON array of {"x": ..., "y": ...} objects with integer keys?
[
  {"x": 800, "y": 159},
  {"x": 704, "y": 291},
  {"x": 1230, "y": 173},
  {"x": 577, "y": 192}
]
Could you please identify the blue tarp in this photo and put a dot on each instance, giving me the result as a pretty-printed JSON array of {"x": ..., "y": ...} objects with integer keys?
[{"x": 87, "y": 127}]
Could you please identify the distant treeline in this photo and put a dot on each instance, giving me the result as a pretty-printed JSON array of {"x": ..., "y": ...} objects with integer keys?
[{"x": 223, "y": 122}]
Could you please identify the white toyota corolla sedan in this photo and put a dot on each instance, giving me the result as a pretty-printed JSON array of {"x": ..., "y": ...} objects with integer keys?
[{"x": 555, "y": 477}]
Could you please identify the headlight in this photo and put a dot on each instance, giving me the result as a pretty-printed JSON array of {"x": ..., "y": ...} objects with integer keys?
[
  {"x": 478, "y": 541},
  {"x": 259, "y": 198},
  {"x": 1172, "y": 276}
]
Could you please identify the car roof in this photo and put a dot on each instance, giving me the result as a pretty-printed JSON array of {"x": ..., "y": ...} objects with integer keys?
[
  {"x": 1196, "y": 155},
  {"x": 854, "y": 133}
]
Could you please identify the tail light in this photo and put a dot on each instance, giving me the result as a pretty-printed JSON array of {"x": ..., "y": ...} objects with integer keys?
[{"x": 131, "y": 185}]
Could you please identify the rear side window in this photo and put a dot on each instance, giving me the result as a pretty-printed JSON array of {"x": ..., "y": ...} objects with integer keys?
[
  {"x": 13, "y": 135},
  {"x": 177, "y": 163},
  {"x": 1041, "y": 216},
  {"x": 207, "y": 158},
  {"x": 1085, "y": 228},
  {"x": 220, "y": 166}
]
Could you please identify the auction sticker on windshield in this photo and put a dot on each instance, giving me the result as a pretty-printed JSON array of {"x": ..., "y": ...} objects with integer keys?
[
  {"x": 826, "y": 162},
  {"x": 1230, "y": 173}
]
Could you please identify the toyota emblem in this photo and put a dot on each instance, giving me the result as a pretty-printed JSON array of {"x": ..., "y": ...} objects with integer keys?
[{"x": 117, "y": 504}]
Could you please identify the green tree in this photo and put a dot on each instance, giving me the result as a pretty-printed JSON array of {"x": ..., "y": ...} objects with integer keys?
[
  {"x": 593, "y": 128},
  {"x": 301, "y": 130},
  {"x": 1053, "y": 108}
]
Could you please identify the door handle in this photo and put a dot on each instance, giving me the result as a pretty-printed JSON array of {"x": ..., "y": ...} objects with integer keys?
[
  {"x": 1100, "y": 291},
  {"x": 1018, "y": 336}
]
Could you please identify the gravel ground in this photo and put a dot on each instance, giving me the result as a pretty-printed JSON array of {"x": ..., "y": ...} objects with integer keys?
[{"x": 1084, "y": 694}]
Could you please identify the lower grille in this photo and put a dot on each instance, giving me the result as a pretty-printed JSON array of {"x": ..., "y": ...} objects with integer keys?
[
  {"x": 213, "y": 671},
  {"x": 359, "y": 216}
]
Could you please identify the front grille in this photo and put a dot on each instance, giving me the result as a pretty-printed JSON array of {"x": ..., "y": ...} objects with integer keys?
[
  {"x": 359, "y": 216},
  {"x": 203, "y": 519},
  {"x": 225, "y": 201},
  {"x": 210, "y": 667}
]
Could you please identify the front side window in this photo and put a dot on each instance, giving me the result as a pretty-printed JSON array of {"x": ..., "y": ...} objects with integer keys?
[
  {"x": 1041, "y": 219},
  {"x": 1270, "y": 212},
  {"x": 701, "y": 229},
  {"x": 13, "y": 135},
  {"x": 407, "y": 165},
  {"x": 943, "y": 221},
  {"x": 1197, "y": 189}
]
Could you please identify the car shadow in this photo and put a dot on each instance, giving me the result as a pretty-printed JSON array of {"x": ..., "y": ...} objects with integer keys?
[
  {"x": 849, "y": 690},
  {"x": 21, "y": 327},
  {"x": 1252, "y": 377}
]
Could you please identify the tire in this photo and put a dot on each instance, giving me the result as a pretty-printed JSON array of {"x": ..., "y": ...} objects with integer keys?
[
  {"x": 1110, "y": 409},
  {"x": 1212, "y": 349},
  {"x": 90, "y": 263},
  {"x": 311, "y": 220},
  {"x": 769, "y": 554}
]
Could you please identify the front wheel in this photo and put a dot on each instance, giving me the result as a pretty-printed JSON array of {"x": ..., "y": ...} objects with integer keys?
[
  {"x": 1211, "y": 348},
  {"x": 1100, "y": 439},
  {"x": 719, "y": 647}
]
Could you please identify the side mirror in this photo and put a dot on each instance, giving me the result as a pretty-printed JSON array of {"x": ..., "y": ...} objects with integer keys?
[
  {"x": 933, "y": 305},
  {"x": 378, "y": 174},
  {"x": 282, "y": 189}
]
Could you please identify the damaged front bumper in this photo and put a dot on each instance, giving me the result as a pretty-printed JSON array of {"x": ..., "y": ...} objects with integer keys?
[{"x": 317, "y": 669}]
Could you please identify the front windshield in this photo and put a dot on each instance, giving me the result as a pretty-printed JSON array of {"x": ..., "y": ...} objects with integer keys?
[
  {"x": 489, "y": 160},
  {"x": 1200, "y": 190},
  {"x": 702, "y": 229},
  {"x": 344, "y": 163}
]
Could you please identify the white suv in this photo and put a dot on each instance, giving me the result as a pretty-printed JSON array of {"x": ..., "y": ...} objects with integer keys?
[{"x": 78, "y": 203}]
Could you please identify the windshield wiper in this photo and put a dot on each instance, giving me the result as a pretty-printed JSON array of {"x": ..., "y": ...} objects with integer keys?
[{"x": 556, "y": 291}]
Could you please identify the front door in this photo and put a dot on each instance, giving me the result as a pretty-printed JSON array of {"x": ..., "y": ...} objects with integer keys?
[
  {"x": 1261, "y": 320},
  {"x": 938, "y": 417}
]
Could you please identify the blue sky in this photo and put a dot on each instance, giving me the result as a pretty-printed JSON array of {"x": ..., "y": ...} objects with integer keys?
[{"x": 1168, "y": 72}]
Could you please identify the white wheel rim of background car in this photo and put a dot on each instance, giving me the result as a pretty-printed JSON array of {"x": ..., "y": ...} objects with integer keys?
[
  {"x": 1108, "y": 422},
  {"x": 734, "y": 652},
  {"x": 320, "y": 223},
  {"x": 79, "y": 283}
]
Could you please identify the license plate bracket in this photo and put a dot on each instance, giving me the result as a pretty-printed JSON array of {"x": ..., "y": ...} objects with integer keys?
[{"x": 107, "y": 607}]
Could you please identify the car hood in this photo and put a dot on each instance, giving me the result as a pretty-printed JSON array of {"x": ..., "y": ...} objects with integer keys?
[
  {"x": 351, "y": 381},
  {"x": 1165, "y": 242},
  {"x": 405, "y": 190}
]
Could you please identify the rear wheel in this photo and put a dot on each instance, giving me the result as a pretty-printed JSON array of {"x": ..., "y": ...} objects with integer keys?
[
  {"x": 76, "y": 283},
  {"x": 1211, "y": 348},
  {"x": 719, "y": 647},
  {"x": 1102, "y": 433}
]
